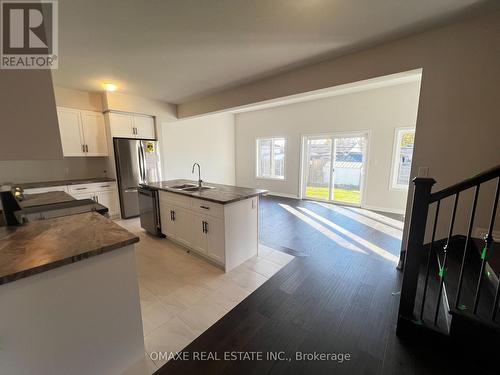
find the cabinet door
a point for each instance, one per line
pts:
(94, 134)
(121, 125)
(183, 225)
(109, 199)
(198, 236)
(145, 127)
(70, 128)
(167, 223)
(215, 239)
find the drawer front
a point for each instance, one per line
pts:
(177, 199)
(91, 188)
(207, 208)
(105, 186)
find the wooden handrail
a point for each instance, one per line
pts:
(466, 184)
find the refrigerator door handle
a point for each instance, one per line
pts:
(144, 177)
(141, 165)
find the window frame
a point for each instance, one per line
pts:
(257, 155)
(393, 185)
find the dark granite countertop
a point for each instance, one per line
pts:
(42, 199)
(31, 185)
(43, 245)
(222, 194)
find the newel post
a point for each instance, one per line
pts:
(414, 250)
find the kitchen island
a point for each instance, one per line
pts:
(69, 299)
(219, 222)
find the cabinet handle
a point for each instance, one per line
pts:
(105, 185)
(86, 148)
(203, 226)
(206, 226)
(205, 207)
(172, 215)
(97, 198)
(83, 148)
(81, 189)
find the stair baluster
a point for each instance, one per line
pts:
(469, 233)
(431, 253)
(488, 239)
(442, 270)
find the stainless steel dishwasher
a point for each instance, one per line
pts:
(149, 210)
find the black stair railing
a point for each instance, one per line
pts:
(423, 198)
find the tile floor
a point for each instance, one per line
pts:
(182, 294)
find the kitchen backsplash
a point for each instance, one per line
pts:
(48, 170)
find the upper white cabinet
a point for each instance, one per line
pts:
(83, 133)
(144, 127)
(124, 125)
(94, 134)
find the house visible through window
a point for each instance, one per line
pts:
(403, 151)
(271, 158)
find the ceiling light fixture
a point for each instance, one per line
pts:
(110, 87)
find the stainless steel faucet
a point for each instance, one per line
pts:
(199, 174)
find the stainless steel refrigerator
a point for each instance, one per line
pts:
(137, 162)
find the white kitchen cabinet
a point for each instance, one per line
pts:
(46, 189)
(123, 125)
(70, 129)
(144, 127)
(82, 132)
(226, 234)
(94, 134)
(109, 199)
(208, 236)
(167, 219)
(199, 238)
(176, 222)
(183, 220)
(105, 193)
(214, 232)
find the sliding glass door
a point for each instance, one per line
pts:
(334, 167)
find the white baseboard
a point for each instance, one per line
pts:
(284, 195)
(384, 209)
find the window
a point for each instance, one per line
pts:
(403, 151)
(271, 158)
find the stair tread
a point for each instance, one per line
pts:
(470, 279)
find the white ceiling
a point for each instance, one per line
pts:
(175, 50)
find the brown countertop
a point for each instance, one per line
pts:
(222, 194)
(43, 245)
(31, 185)
(32, 200)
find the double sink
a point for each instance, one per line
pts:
(190, 187)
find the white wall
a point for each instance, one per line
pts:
(379, 110)
(207, 140)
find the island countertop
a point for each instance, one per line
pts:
(223, 194)
(43, 245)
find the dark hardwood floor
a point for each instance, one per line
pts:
(339, 295)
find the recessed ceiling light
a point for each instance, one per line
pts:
(110, 87)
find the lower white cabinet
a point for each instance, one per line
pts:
(208, 236)
(105, 193)
(47, 189)
(110, 200)
(226, 234)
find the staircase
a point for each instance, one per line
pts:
(450, 288)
